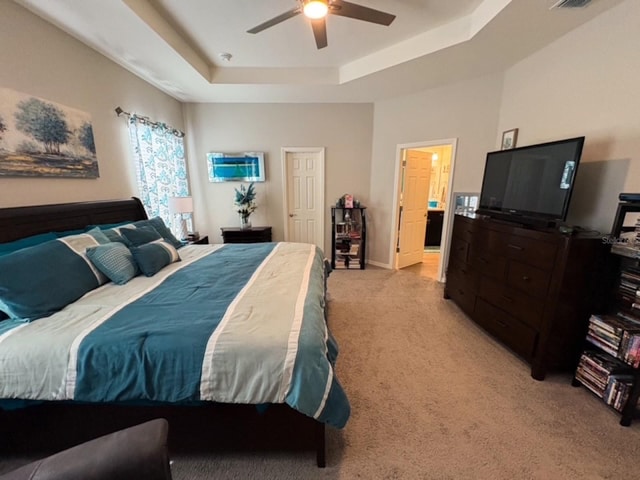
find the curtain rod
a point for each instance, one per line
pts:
(147, 121)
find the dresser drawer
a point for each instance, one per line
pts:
(463, 272)
(463, 228)
(515, 334)
(532, 252)
(461, 289)
(487, 263)
(459, 249)
(525, 307)
(531, 280)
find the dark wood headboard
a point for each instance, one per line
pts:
(20, 222)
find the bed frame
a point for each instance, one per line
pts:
(20, 222)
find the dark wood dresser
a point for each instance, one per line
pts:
(248, 235)
(532, 289)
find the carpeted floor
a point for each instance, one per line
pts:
(434, 397)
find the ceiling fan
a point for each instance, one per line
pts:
(317, 10)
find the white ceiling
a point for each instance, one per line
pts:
(176, 44)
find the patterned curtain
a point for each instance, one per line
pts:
(161, 168)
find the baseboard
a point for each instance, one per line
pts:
(379, 264)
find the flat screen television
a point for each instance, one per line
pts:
(532, 184)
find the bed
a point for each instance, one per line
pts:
(226, 324)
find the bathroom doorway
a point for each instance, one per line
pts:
(432, 232)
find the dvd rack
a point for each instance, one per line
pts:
(611, 369)
(610, 363)
(606, 377)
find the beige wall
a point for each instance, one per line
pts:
(41, 60)
(467, 111)
(585, 83)
(345, 130)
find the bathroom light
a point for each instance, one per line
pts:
(316, 9)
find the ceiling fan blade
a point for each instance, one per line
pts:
(320, 32)
(276, 20)
(351, 10)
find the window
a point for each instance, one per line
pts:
(161, 169)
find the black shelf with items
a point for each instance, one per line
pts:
(610, 363)
(348, 238)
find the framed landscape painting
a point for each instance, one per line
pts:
(39, 138)
(236, 167)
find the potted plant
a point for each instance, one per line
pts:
(245, 203)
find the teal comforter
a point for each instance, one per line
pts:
(233, 324)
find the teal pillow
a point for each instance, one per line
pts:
(162, 229)
(115, 261)
(26, 242)
(140, 235)
(41, 280)
(98, 235)
(153, 257)
(66, 233)
(109, 226)
(115, 235)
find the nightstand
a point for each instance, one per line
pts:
(247, 235)
(201, 241)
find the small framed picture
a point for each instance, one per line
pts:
(509, 138)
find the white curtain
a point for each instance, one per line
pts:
(161, 168)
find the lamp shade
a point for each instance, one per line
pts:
(180, 204)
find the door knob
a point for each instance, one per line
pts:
(292, 214)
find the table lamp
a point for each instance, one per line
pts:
(181, 206)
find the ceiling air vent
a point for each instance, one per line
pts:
(571, 4)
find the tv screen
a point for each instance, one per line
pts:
(534, 181)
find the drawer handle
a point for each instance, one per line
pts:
(482, 260)
(501, 323)
(515, 247)
(460, 292)
(460, 249)
(525, 278)
(463, 271)
(507, 299)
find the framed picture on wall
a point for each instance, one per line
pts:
(236, 167)
(509, 138)
(42, 138)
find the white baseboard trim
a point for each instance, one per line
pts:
(379, 264)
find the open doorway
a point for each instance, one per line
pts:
(424, 178)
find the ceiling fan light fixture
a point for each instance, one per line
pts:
(315, 9)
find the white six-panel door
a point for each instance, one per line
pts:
(303, 170)
(415, 197)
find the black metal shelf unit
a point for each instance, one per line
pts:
(348, 237)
